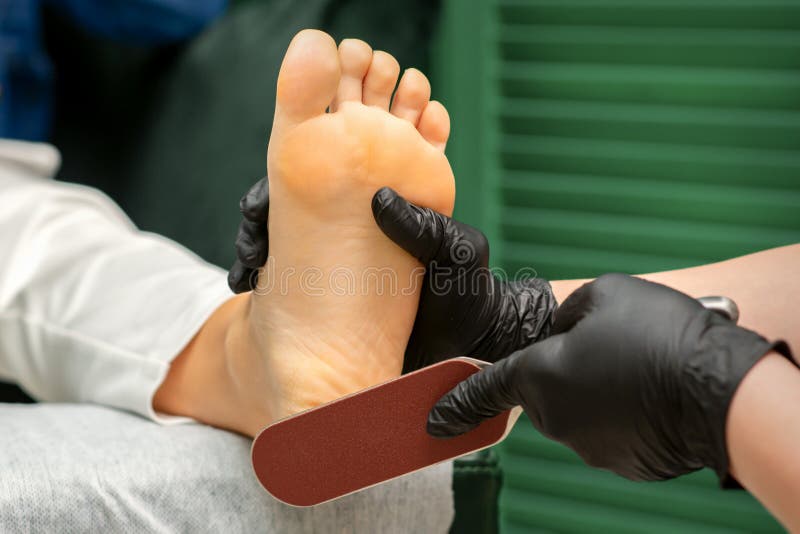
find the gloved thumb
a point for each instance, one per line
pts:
(418, 231)
(483, 395)
(428, 235)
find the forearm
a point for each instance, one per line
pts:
(763, 426)
(763, 431)
(764, 285)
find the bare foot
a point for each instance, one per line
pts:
(336, 303)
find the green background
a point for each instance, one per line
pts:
(633, 136)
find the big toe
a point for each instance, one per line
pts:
(308, 78)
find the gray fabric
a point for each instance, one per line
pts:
(84, 468)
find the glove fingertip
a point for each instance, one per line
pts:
(416, 230)
(252, 256)
(254, 205)
(441, 425)
(257, 213)
(239, 278)
(381, 202)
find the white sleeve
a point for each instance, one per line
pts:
(91, 309)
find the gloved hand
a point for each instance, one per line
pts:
(464, 310)
(636, 378)
(252, 240)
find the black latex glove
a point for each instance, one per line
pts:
(637, 378)
(463, 310)
(252, 241)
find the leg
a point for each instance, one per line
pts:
(91, 310)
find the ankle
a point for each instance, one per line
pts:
(256, 393)
(204, 380)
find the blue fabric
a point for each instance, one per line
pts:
(26, 73)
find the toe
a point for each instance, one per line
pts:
(308, 78)
(411, 96)
(354, 57)
(380, 80)
(434, 124)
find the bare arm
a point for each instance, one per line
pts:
(763, 429)
(765, 285)
(763, 433)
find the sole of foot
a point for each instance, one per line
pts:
(336, 303)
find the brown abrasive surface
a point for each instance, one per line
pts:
(364, 439)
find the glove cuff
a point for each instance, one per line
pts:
(523, 315)
(544, 313)
(724, 356)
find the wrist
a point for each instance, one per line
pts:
(763, 429)
(523, 315)
(724, 357)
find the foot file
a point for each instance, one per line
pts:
(367, 438)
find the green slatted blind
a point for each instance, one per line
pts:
(635, 136)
